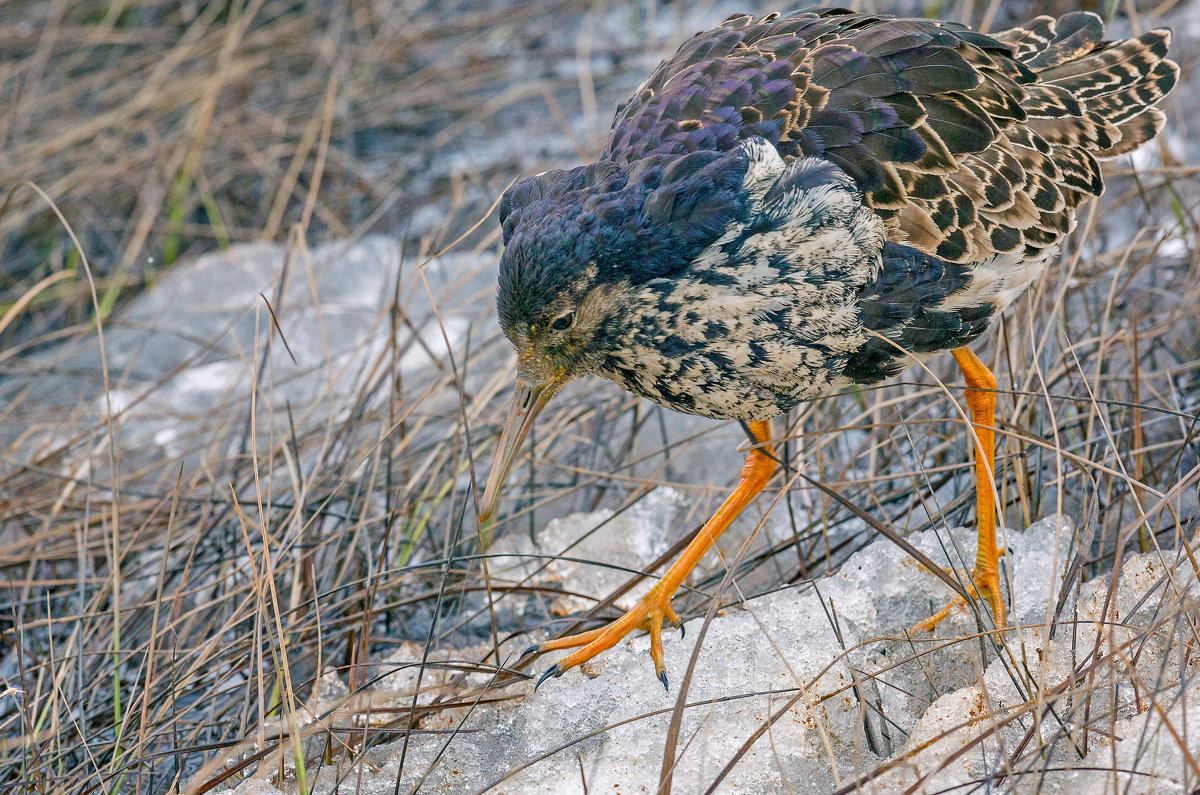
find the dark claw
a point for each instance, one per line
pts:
(662, 677)
(682, 631)
(531, 650)
(551, 671)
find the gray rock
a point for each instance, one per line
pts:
(835, 653)
(610, 716)
(646, 531)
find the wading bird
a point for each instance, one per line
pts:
(794, 204)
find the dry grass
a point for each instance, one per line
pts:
(161, 611)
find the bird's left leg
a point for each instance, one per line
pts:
(655, 607)
(981, 400)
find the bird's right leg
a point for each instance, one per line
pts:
(655, 607)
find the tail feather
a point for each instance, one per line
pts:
(1114, 81)
(1086, 131)
(1080, 171)
(1112, 67)
(1045, 101)
(1075, 35)
(1121, 106)
(1139, 130)
(1093, 99)
(1029, 40)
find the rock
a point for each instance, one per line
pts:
(930, 714)
(1152, 752)
(444, 668)
(751, 662)
(991, 717)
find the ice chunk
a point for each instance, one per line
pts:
(811, 688)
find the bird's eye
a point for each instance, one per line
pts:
(563, 322)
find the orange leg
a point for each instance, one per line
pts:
(650, 611)
(981, 400)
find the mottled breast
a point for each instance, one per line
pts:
(767, 315)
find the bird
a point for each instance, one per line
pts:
(797, 203)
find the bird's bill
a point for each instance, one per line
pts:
(528, 402)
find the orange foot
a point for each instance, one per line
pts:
(655, 607)
(986, 586)
(648, 614)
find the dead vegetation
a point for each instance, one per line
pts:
(163, 611)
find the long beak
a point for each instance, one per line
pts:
(528, 402)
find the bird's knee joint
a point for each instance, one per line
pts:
(760, 465)
(981, 379)
(979, 401)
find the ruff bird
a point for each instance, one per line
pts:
(796, 203)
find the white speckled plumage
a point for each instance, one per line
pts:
(802, 318)
(1000, 280)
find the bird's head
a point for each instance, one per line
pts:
(565, 275)
(584, 247)
(560, 323)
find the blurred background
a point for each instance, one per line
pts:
(233, 475)
(165, 130)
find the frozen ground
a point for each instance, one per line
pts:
(813, 688)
